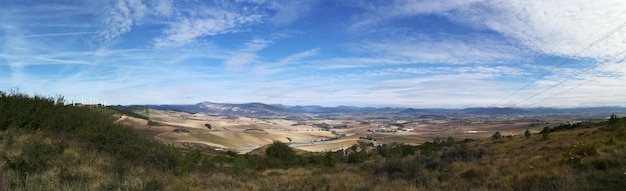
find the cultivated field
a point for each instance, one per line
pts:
(244, 134)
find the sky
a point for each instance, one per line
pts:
(380, 53)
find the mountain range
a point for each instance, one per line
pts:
(261, 110)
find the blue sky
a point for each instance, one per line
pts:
(399, 53)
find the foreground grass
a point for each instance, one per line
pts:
(47, 146)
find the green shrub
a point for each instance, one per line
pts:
(496, 135)
(282, 154)
(545, 133)
(357, 157)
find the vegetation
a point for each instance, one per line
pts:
(496, 135)
(545, 133)
(324, 126)
(45, 145)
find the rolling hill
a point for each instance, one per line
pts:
(261, 110)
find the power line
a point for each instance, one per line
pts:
(616, 56)
(576, 54)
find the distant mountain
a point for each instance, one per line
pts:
(412, 111)
(247, 109)
(495, 111)
(284, 111)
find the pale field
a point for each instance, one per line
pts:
(244, 134)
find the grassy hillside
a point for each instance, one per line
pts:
(45, 145)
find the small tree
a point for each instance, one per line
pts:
(282, 153)
(545, 133)
(496, 135)
(450, 141)
(613, 119)
(527, 134)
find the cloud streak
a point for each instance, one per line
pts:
(247, 54)
(121, 17)
(290, 11)
(204, 21)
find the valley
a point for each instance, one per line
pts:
(243, 134)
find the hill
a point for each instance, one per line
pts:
(261, 110)
(45, 145)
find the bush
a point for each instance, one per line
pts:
(496, 135)
(545, 133)
(323, 161)
(282, 154)
(527, 134)
(94, 127)
(463, 153)
(396, 150)
(579, 151)
(357, 157)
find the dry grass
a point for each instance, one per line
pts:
(578, 159)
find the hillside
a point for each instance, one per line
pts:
(45, 145)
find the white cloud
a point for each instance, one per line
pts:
(490, 71)
(188, 29)
(59, 34)
(552, 27)
(298, 56)
(162, 7)
(247, 54)
(121, 17)
(291, 10)
(454, 90)
(593, 31)
(588, 90)
(560, 27)
(427, 50)
(376, 13)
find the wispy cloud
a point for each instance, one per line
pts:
(298, 56)
(377, 12)
(553, 27)
(194, 23)
(447, 51)
(162, 7)
(439, 70)
(427, 50)
(120, 18)
(562, 28)
(247, 54)
(60, 34)
(290, 11)
(570, 29)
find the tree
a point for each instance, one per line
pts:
(282, 152)
(527, 134)
(613, 119)
(207, 125)
(545, 133)
(496, 135)
(450, 141)
(616, 122)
